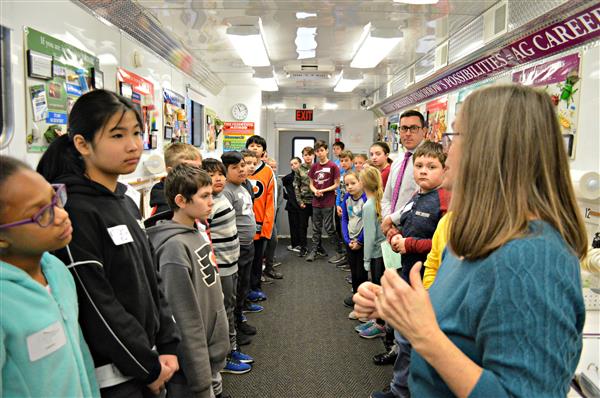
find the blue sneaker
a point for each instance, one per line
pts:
(236, 367)
(256, 295)
(243, 318)
(364, 326)
(251, 307)
(241, 357)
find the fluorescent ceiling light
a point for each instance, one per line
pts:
(469, 49)
(347, 82)
(421, 2)
(330, 106)
(305, 42)
(248, 41)
(373, 46)
(304, 15)
(265, 78)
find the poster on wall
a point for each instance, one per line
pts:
(57, 74)
(175, 119)
(211, 133)
(437, 118)
(235, 135)
(141, 92)
(391, 133)
(560, 79)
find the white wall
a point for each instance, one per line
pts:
(114, 49)
(357, 126)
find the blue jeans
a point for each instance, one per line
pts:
(399, 384)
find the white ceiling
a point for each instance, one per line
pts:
(201, 25)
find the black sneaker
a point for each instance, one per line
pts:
(273, 274)
(385, 358)
(321, 252)
(303, 252)
(348, 302)
(310, 257)
(243, 339)
(245, 328)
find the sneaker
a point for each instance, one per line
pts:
(242, 339)
(246, 328)
(239, 356)
(244, 318)
(342, 265)
(251, 307)
(337, 259)
(348, 279)
(364, 326)
(273, 274)
(256, 295)
(303, 252)
(236, 367)
(311, 256)
(373, 332)
(385, 358)
(345, 268)
(386, 393)
(297, 249)
(352, 315)
(321, 252)
(276, 264)
(290, 248)
(265, 279)
(348, 302)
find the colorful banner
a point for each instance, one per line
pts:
(578, 29)
(235, 135)
(141, 93)
(560, 79)
(436, 119)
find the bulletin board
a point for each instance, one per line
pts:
(437, 116)
(561, 80)
(141, 92)
(176, 127)
(57, 74)
(235, 135)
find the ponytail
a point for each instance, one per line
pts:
(370, 177)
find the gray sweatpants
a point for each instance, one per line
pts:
(322, 217)
(229, 285)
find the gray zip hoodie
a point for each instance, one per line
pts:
(193, 289)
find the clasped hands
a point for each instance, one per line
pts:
(168, 366)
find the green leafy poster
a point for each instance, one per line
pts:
(70, 78)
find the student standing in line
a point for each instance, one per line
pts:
(379, 153)
(43, 352)
(292, 207)
(263, 183)
(345, 158)
(271, 247)
(174, 154)
(338, 148)
(226, 245)
(304, 197)
(240, 199)
(324, 179)
(521, 235)
(353, 231)
(360, 159)
(122, 312)
(192, 284)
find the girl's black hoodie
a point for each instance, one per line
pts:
(123, 314)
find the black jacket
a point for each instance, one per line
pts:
(122, 312)
(290, 194)
(158, 198)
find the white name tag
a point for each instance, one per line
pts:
(326, 169)
(421, 214)
(46, 341)
(120, 235)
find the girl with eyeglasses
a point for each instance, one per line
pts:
(42, 350)
(123, 314)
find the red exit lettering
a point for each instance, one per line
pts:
(304, 115)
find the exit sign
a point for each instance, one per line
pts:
(304, 115)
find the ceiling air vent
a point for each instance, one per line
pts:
(495, 21)
(441, 55)
(410, 76)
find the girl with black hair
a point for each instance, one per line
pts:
(123, 314)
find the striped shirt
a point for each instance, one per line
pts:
(224, 235)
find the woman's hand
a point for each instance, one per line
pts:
(407, 307)
(364, 300)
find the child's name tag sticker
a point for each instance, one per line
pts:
(326, 170)
(46, 341)
(421, 214)
(120, 235)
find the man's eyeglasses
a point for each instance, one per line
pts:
(45, 216)
(447, 140)
(413, 129)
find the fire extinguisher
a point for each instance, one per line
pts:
(338, 133)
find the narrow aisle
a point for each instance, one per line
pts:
(306, 346)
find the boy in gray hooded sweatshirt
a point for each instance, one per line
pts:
(192, 284)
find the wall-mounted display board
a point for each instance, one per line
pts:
(175, 119)
(196, 116)
(391, 136)
(437, 116)
(211, 132)
(560, 79)
(141, 92)
(235, 135)
(57, 74)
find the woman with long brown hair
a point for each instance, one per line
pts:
(505, 314)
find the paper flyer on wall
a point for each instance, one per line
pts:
(235, 135)
(560, 79)
(437, 118)
(39, 103)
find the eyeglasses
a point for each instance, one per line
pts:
(45, 216)
(413, 129)
(447, 140)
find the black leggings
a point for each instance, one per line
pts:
(357, 268)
